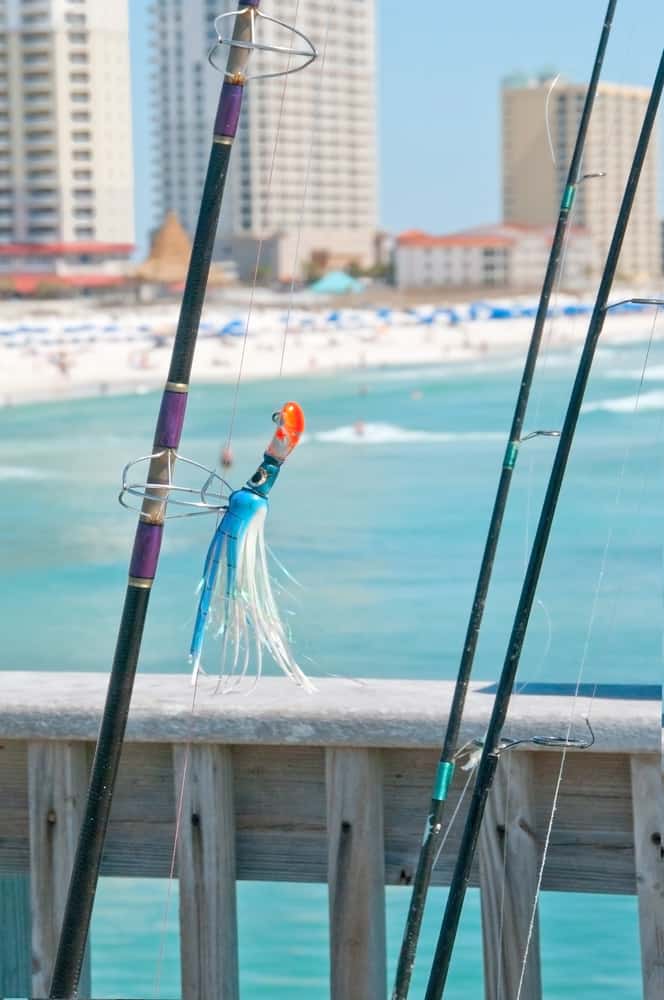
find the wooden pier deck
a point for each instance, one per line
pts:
(331, 787)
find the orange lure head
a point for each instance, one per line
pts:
(290, 427)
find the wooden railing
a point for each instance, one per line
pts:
(326, 787)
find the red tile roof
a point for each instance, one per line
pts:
(498, 235)
(28, 283)
(64, 249)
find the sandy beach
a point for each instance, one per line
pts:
(79, 351)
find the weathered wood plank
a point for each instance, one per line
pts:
(207, 869)
(509, 863)
(356, 874)
(57, 783)
(379, 713)
(281, 816)
(648, 799)
(15, 936)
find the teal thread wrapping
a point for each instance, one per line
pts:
(569, 196)
(443, 781)
(510, 455)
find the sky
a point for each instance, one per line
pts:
(439, 71)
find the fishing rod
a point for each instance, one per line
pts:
(147, 543)
(434, 828)
(492, 742)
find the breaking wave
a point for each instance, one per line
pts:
(655, 373)
(8, 472)
(627, 404)
(376, 433)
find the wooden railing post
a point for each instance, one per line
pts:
(356, 873)
(648, 819)
(207, 870)
(15, 936)
(509, 862)
(57, 783)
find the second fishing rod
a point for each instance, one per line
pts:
(492, 743)
(434, 827)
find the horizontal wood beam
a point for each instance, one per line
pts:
(280, 814)
(371, 713)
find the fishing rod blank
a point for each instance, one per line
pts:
(445, 771)
(491, 748)
(147, 543)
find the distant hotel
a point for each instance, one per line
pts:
(331, 103)
(533, 183)
(514, 254)
(66, 169)
(500, 256)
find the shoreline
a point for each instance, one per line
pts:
(112, 364)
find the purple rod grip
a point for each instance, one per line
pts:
(171, 419)
(145, 554)
(228, 112)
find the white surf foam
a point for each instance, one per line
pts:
(20, 472)
(377, 433)
(627, 404)
(655, 373)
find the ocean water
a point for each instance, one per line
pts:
(381, 516)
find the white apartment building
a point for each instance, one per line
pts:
(499, 256)
(533, 182)
(66, 166)
(303, 171)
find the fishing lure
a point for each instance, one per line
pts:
(235, 593)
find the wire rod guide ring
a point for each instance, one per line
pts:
(206, 502)
(307, 54)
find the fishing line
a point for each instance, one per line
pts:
(583, 663)
(501, 923)
(547, 118)
(261, 241)
(173, 861)
(234, 409)
(307, 175)
(471, 774)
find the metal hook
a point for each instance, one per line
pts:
(556, 742)
(308, 54)
(553, 742)
(534, 434)
(636, 302)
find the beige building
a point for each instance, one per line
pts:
(533, 182)
(66, 167)
(303, 171)
(497, 256)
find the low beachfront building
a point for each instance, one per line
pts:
(495, 256)
(35, 268)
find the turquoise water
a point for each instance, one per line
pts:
(384, 532)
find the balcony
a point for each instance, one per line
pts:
(38, 99)
(37, 83)
(42, 140)
(47, 197)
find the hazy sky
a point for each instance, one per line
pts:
(440, 66)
